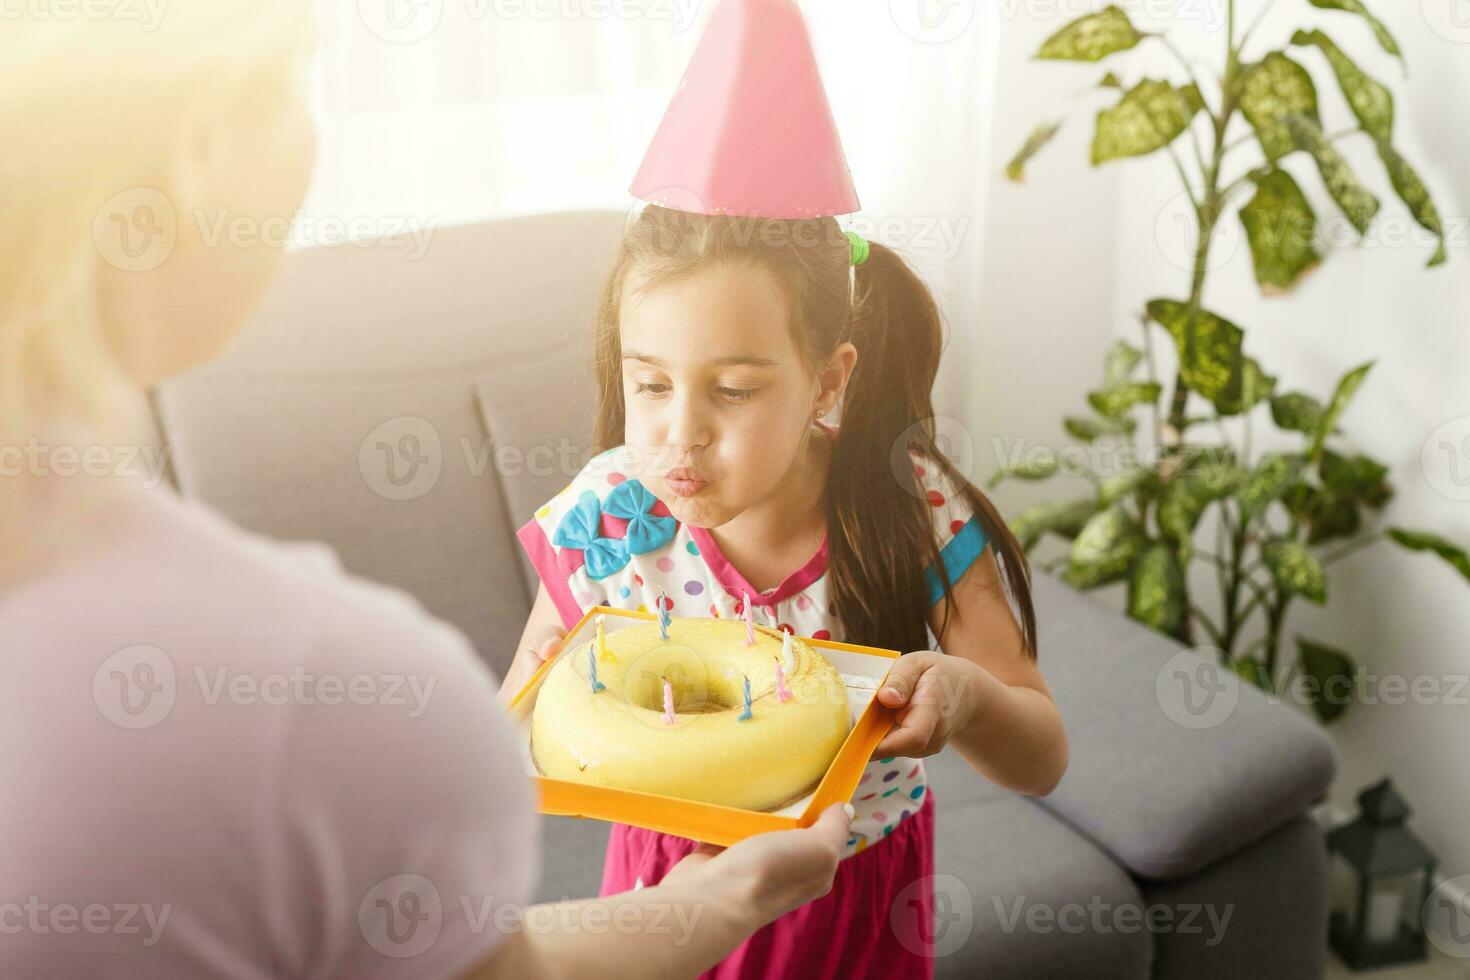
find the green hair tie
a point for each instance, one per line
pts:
(859, 248)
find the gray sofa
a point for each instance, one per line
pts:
(412, 411)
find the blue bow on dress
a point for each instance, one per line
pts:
(647, 531)
(579, 529)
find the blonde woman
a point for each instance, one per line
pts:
(151, 827)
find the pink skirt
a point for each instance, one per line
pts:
(878, 919)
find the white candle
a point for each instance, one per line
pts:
(1385, 909)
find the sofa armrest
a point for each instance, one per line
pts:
(1172, 766)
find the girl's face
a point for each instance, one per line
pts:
(719, 400)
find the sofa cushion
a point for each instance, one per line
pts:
(376, 468)
(539, 418)
(1166, 786)
(1017, 893)
(1265, 911)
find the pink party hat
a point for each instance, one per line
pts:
(749, 131)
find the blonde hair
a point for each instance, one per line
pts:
(98, 100)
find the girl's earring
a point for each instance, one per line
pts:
(821, 412)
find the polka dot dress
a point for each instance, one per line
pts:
(606, 540)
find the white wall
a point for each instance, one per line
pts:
(1047, 285)
(1395, 612)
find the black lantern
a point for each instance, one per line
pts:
(1379, 922)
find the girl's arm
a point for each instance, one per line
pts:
(703, 909)
(986, 696)
(539, 640)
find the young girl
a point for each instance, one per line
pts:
(723, 347)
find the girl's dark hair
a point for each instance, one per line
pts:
(880, 530)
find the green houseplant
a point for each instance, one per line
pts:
(1282, 518)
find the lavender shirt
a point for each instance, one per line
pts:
(222, 757)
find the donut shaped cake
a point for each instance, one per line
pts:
(620, 736)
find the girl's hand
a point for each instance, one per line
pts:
(527, 661)
(936, 696)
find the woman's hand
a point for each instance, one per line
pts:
(527, 661)
(777, 871)
(936, 696)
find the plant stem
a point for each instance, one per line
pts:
(1256, 22)
(1348, 549)
(1275, 616)
(1205, 621)
(1207, 214)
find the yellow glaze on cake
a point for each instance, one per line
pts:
(618, 737)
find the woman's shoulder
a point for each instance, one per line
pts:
(173, 566)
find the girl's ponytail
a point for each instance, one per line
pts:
(880, 531)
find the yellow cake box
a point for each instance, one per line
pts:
(863, 670)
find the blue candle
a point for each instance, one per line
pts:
(664, 619)
(745, 715)
(597, 685)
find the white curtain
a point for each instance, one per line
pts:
(443, 112)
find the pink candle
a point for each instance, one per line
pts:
(668, 702)
(781, 693)
(749, 621)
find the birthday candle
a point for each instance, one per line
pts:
(781, 693)
(597, 685)
(745, 715)
(668, 702)
(602, 651)
(785, 646)
(663, 616)
(749, 621)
